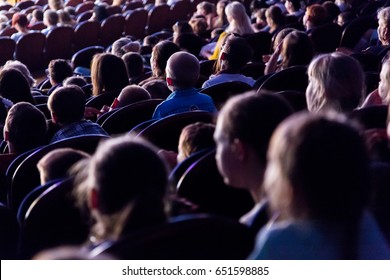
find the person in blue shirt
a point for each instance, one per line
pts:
(182, 72)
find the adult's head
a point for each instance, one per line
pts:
(108, 73)
(134, 64)
(182, 71)
(158, 89)
(160, 54)
(292, 5)
(19, 20)
(117, 46)
(315, 16)
(50, 18)
(336, 82)
(15, 64)
(235, 54)
(25, 128)
(56, 5)
(244, 127)
(239, 21)
(14, 86)
(317, 169)
(67, 105)
(128, 182)
(195, 137)
(56, 164)
(275, 17)
(384, 26)
(132, 94)
(297, 49)
(59, 70)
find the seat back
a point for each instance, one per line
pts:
(158, 18)
(135, 23)
(38, 26)
(124, 119)
(85, 6)
(59, 43)
(111, 29)
(187, 237)
(103, 99)
(7, 49)
(83, 57)
(179, 11)
(165, 132)
(371, 117)
(52, 220)
(73, 3)
(86, 34)
(29, 50)
(133, 5)
(84, 16)
(260, 43)
(355, 30)
(297, 99)
(26, 176)
(202, 185)
(220, 93)
(24, 4)
(291, 78)
(326, 38)
(9, 234)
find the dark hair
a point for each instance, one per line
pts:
(134, 64)
(14, 86)
(297, 49)
(195, 137)
(59, 70)
(19, 18)
(238, 52)
(26, 127)
(253, 117)
(100, 12)
(68, 103)
(161, 53)
(108, 73)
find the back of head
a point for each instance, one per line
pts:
(336, 82)
(160, 55)
(68, 104)
(59, 69)
(75, 81)
(235, 54)
(56, 164)
(158, 89)
(118, 44)
(51, 17)
(318, 169)
(252, 118)
(297, 49)
(189, 42)
(15, 64)
(127, 172)
(275, 13)
(108, 73)
(132, 94)
(20, 19)
(14, 86)
(25, 128)
(183, 69)
(332, 10)
(316, 14)
(134, 64)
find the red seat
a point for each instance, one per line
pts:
(132, 5)
(86, 34)
(37, 26)
(8, 31)
(29, 50)
(73, 3)
(113, 10)
(59, 43)
(83, 57)
(135, 23)
(84, 16)
(7, 49)
(24, 4)
(85, 6)
(111, 29)
(158, 19)
(179, 11)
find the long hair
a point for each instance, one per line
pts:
(239, 21)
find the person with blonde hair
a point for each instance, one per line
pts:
(239, 23)
(336, 82)
(380, 96)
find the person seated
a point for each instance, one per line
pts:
(315, 16)
(50, 19)
(194, 138)
(317, 181)
(235, 54)
(123, 45)
(275, 20)
(182, 72)
(20, 23)
(75, 81)
(129, 95)
(126, 186)
(57, 163)
(243, 131)
(336, 82)
(25, 128)
(14, 86)
(158, 89)
(67, 106)
(99, 13)
(134, 66)
(380, 96)
(15, 64)
(59, 70)
(36, 16)
(65, 19)
(208, 11)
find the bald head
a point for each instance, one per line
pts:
(182, 70)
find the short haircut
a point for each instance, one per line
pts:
(14, 86)
(132, 94)
(75, 81)
(196, 137)
(51, 17)
(26, 126)
(161, 53)
(59, 70)
(238, 52)
(56, 164)
(183, 68)
(16, 64)
(252, 118)
(68, 103)
(158, 89)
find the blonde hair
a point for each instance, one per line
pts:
(336, 81)
(239, 21)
